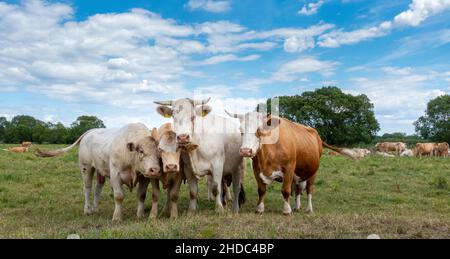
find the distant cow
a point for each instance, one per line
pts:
(127, 155)
(384, 154)
(408, 153)
(360, 152)
(332, 153)
(26, 143)
(425, 149)
(282, 150)
(391, 147)
(18, 149)
(442, 149)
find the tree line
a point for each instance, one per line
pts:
(340, 118)
(26, 128)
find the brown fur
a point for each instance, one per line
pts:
(18, 149)
(442, 149)
(425, 149)
(26, 143)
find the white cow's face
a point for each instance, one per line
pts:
(254, 126)
(184, 113)
(146, 156)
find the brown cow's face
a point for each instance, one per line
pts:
(147, 156)
(184, 113)
(170, 154)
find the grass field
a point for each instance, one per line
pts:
(392, 197)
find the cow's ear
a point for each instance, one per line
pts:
(271, 123)
(165, 111)
(155, 134)
(203, 110)
(131, 146)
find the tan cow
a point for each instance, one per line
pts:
(391, 147)
(18, 149)
(360, 152)
(425, 149)
(442, 149)
(282, 150)
(26, 143)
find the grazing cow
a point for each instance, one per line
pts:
(391, 147)
(127, 155)
(211, 145)
(442, 149)
(408, 153)
(425, 149)
(332, 153)
(282, 150)
(26, 143)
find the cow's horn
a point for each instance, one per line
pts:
(200, 102)
(166, 103)
(233, 115)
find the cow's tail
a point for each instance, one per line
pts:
(242, 197)
(342, 151)
(61, 151)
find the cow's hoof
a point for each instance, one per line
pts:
(152, 216)
(287, 213)
(94, 210)
(116, 219)
(296, 209)
(140, 215)
(88, 212)
(309, 211)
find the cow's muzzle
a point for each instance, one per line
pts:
(183, 139)
(153, 173)
(246, 152)
(171, 168)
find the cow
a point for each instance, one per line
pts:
(408, 153)
(360, 152)
(441, 149)
(173, 170)
(127, 156)
(332, 153)
(384, 154)
(282, 150)
(211, 146)
(391, 147)
(17, 149)
(26, 143)
(425, 149)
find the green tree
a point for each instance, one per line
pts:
(3, 123)
(340, 118)
(435, 124)
(83, 124)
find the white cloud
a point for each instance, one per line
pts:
(418, 12)
(292, 70)
(214, 6)
(398, 71)
(227, 58)
(311, 8)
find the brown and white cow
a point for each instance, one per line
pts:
(425, 149)
(281, 149)
(18, 149)
(391, 147)
(441, 149)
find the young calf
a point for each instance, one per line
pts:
(127, 155)
(285, 151)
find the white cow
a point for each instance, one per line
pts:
(127, 155)
(407, 153)
(211, 145)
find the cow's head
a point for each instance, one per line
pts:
(184, 113)
(146, 154)
(170, 153)
(254, 127)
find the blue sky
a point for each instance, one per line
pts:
(112, 59)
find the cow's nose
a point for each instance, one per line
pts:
(153, 172)
(171, 168)
(183, 138)
(246, 152)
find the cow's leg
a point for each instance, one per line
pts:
(98, 189)
(299, 188)
(167, 204)
(87, 172)
(174, 194)
(209, 184)
(217, 174)
(286, 190)
(193, 189)
(236, 190)
(141, 194)
(155, 198)
(261, 186)
(116, 184)
(309, 191)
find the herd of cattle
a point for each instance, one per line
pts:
(391, 149)
(198, 144)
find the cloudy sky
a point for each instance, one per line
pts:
(112, 59)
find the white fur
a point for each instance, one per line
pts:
(309, 207)
(260, 208)
(287, 208)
